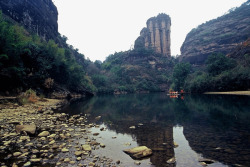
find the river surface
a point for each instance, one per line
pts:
(215, 127)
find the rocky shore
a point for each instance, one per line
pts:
(34, 135)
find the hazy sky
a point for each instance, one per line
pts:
(99, 28)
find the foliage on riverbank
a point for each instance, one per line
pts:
(221, 73)
(136, 70)
(27, 61)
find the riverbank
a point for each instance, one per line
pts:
(231, 93)
(33, 134)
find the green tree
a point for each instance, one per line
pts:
(218, 63)
(180, 73)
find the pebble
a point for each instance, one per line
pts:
(44, 134)
(171, 161)
(137, 163)
(78, 153)
(65, 150)
(102, 145)
(36, 160)
(27, 164)
(86, 147)
(16, 154)
(55, 135)
(66, 160)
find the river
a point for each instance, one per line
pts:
(214, 127)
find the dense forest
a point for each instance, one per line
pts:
(27, 61)
(124, 72)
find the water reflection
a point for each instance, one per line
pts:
(215, 126)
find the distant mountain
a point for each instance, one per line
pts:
(220, 35)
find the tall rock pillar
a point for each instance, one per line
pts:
(156, 35)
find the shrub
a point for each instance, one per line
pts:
(27, 97)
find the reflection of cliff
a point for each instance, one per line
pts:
(209, 122)
(158, 138)
(229, 146)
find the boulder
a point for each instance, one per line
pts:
(26, 128)
(138, 152)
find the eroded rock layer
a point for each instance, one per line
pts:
(156, 35)
(220, 35)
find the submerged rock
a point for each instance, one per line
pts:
(102, 145)
(132, 127)
(95, 134)
(97, 118)
(137, 163)
(171, 161)
(138, 152)
(207, 161)
(175, 145)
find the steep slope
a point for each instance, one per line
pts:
(220, 35)
(34, 55)
(38, 16)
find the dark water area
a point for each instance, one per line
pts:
(215, 127)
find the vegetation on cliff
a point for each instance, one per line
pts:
(26, 62)
(136, 70)
(221, 73)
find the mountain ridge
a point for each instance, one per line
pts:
(219, 35)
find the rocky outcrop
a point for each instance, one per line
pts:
(39, 16)
(241, 50)
(220, 35)
(156, 35)
(139, 152)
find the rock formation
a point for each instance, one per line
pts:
(39, 16)
(220, 35)
(156, 35)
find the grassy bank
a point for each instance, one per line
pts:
(231, 93)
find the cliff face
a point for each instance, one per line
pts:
(220, 35)
(156, 35)
(39, 16)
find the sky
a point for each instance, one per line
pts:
(99, 28)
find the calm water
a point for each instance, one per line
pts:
(216, 127)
